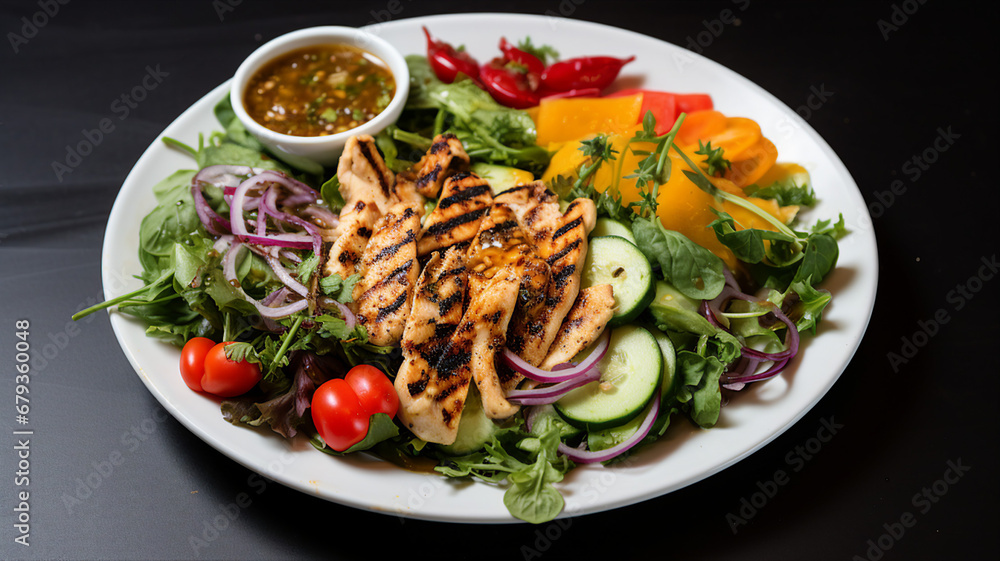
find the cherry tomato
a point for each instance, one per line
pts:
(193, 361)
(339, 415)
(226, 378)
(374, 390)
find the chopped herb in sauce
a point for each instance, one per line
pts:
(319, 90)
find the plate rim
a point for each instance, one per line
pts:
(120, 322)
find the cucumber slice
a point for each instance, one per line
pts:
(501, 178)
(608, 227)
(616, 261)
(475, 429)
(630, 375)
(609, 438)
(668, 383)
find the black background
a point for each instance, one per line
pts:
(900, 426)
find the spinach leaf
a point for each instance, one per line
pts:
(330, 193)
(700, 390)
(694, 270)
(748, 244)
(818, 259)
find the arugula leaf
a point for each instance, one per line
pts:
(836, 230)
(692, 269)
(784, 192)
(808, 311)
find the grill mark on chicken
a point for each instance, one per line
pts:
(391, 250)
(564, 251)
(465, 198)
(567, 228)
(389, 274)
(443, 227)
(465, 195)
(445, 156)
(368, 150)
(429, 177)
(584, 323)
(431, 400)
(561, 239)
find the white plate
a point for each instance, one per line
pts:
(686, 455)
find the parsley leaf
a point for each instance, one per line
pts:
(339, 288)
(713, 158)
(545, 53)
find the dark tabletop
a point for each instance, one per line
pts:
(910, 472)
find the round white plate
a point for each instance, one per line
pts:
(686, 455)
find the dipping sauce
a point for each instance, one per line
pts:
(319, 90)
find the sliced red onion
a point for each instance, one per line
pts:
(539, 375)
(214, 224)
(239, 226)
(222, 244)
(791, 341)
(229, 270)
(349, 318)
(551, 394)
(225, 175)
(269, 205)
(286, 277)
(775, 369)
(587, 457)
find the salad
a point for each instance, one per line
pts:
(692, 279)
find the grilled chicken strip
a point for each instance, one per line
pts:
(354, 231)
(561, 239)
(473, 348)
(499, 242)
(584, 323)
(445, 155)
(363, 174)
(430, 403)
(464, 200)
(389, 272)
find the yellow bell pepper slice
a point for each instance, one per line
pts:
(566, 120)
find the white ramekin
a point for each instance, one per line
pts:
(324, 150)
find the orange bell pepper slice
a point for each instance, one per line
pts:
(754, 163)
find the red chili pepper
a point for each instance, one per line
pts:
(585, 72)
(533, 64)
(510, 88)
(447, 61)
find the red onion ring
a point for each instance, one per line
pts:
(229, 270)
(551, 394)
(539, 375)
(587, 457)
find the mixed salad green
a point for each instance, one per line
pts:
(708, 334)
